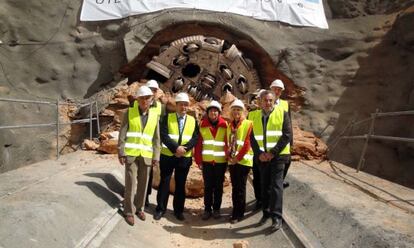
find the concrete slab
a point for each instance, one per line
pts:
(57, 203)
(73, 202)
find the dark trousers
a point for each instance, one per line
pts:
(149, 188)
(213, 176)
(238, 176)
(285, 170)
(271, 177)
(256, 179)
(180, 167)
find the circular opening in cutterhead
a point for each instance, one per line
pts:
(191, 70)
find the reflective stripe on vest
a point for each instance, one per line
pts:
(273, 129)
(213, 148)
(173, 132)
(139, 139)
(241, 136)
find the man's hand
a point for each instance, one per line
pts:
(154, 163)
(269, 156)
(180, 151)
(122, 160)
(263, 157)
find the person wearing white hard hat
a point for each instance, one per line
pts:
(210, 156)
(278, 87)
(159, 108)
(270, 143)
(179, 133)
(138, 151)
(239, 156)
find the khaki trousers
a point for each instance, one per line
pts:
(136, 181)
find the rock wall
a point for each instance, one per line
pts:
(363, 62)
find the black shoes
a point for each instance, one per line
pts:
(263, 220)
(276, 224)
(258, 205)
(158, 215)
(285, 184)
(216, 214)
(206, 215)
(179, 216)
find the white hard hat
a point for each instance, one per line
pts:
(278, 83)
(144, 91)
(182, 97)
(214, 104)
(152, 84)
(237, 103)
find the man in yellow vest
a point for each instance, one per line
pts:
(270, 142)
(159, 108)
(138, 149)
(210, 156)
(179, 133)
(278, 87)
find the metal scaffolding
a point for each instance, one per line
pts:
(92, 105)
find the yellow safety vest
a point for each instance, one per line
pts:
(273, 129)
(241, 135)
(157, 109)
(139, 139)
(213, 148)
(284, 105)
(173, 132)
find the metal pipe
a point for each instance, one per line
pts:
(25, 101)
(97, 118)
(90, 121)
(29, 126)
(77, 121)
(381, 137)
(410, 112)
(364, 148)
(57, 128)
(47, 124)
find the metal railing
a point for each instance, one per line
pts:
(370, 134)
(92, 105)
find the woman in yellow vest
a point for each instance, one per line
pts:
(240, 158)
(210, 156)
(138, 150)
(270, 142)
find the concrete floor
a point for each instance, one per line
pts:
(73, 202)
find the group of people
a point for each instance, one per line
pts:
(261, 141)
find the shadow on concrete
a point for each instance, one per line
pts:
(101, 192)
(111, 182)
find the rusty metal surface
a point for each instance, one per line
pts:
(205, 67)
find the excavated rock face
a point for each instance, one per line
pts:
(355, 8)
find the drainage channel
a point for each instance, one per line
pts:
(294, 231)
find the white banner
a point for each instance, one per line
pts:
(295, 12)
